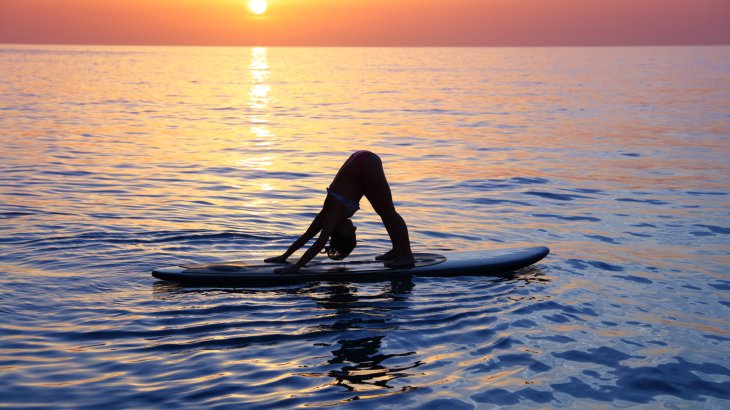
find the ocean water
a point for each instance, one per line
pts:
(118, 160)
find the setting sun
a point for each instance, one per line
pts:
(257, 6)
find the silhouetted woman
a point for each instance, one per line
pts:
(362, 174)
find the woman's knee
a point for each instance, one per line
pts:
(388, 213)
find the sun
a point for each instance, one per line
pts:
(257, 6)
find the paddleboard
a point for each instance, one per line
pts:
(486, 262)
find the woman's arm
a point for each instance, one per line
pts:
(329, 223)
(314, 227)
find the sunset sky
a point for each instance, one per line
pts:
(367, 22)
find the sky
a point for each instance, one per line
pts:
(367, 22)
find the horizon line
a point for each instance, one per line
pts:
(369, 45)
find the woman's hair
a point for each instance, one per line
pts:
(340, 245)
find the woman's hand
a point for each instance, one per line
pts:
(276, 259)
(287, 269)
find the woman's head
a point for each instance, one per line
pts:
(342, 240)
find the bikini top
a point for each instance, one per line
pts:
(349, 205)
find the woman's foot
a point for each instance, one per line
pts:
(401, 262)
(391, 254)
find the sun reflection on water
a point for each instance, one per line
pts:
(259, 92)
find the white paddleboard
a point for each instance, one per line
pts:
(487, 262)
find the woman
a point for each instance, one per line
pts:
(362, 174)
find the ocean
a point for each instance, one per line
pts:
(118, 160)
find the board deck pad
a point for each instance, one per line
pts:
(317, 266)
(239, 273)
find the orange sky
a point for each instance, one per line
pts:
(367, 22)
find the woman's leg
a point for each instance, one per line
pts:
(377, 191)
